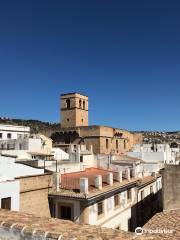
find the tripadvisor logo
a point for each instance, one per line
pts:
(139, 231)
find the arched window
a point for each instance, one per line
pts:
(84, 104)
(124, 144)
(80, 103)
(68, 103)
(107, 143)
(117, 144)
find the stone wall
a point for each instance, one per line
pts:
(119, 141)
(34, 194)
(171, 187)
(76, 114)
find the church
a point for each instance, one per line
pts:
(75, 129)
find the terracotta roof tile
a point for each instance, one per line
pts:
(168, 221)
(30, 226)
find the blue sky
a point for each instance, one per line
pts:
(125, 55)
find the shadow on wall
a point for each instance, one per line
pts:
(145, 209)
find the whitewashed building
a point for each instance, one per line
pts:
(13, 132)
(9, 185)
(102, 197)
(153, 153)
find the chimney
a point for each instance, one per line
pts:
(56, 181)
(84, 185)
(110, 179)
(127, 173)
(119, 176)
(98, 181)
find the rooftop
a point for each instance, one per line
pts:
(70, 183)
(71, 180)
(15, 225)
(168, 220)
(122, 158)
(73, 93)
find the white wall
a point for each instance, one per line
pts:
(89, 160)
(9, 169)
(161, 152)
(14, 130)
(113, 217)
(59, 154)
(157, 185)
(149, 156)
(10, 189)
(35, 145)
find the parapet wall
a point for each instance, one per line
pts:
(171, 187)
(34, 194)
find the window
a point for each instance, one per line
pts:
(6, 203)
(116, 144)
(80, 103)
(81, 159)
(65, 212)
(142, 195)
(67, 119)
(84, 105)
(100, 208)
(129, 194)
(124, 144)
(107, 143)
(151, 189)
(9, 135)
(116, 200)
(1, 135)
(82, 120)
(68, 103)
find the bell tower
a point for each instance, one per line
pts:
(74, 110)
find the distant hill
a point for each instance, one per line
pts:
(172, 138)
(36, 126)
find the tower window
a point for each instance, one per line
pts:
(82, 120)
(107, 143)
(124, 144)
(67, 119)
(84, 104)
(68, 103)
(116, 144)
(80, 103)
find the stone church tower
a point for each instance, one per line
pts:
(74, 110)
